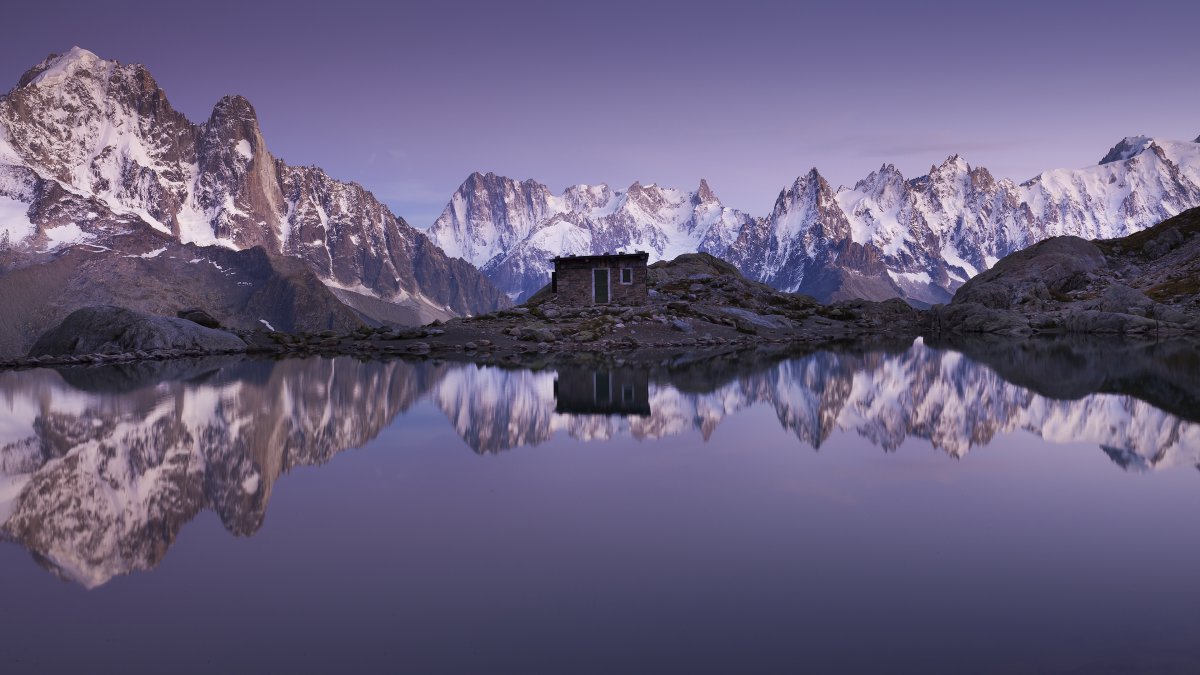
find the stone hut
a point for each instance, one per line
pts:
(612, 278)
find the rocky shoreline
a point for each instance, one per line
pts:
(513, 342)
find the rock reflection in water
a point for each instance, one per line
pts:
(101, 468)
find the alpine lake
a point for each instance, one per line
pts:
(976, 507)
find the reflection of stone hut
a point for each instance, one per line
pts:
(619, 391)
(618, 279)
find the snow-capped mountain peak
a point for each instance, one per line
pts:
(104, 135)
(954, 164)
(59, 67)
(1126, 148)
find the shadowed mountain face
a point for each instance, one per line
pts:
(100, 469)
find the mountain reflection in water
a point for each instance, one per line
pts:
(101, 468)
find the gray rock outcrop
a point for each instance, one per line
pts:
(116, 330)
(1144, 284)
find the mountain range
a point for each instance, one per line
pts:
(94, 159)
(887, 236)
(108, 195)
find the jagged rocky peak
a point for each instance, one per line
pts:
(495, 192)
(479, 181)
(1127, 148)
(704, 194)
(82, 119)
(886, 185)
(503, 186)
(809, 188)
(981, 177)
(236, 114)
(650, 197)
(813, 176)
(489, 214)
(798, 186)
(238, 185)
(954, 165)
(232, 141)
(586, 197)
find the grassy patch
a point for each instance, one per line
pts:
(1189, 285)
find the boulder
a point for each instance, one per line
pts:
(115, 330)
(691, 267)
(1125, 300)
(1092, 321)
(1035, 274)
(535, 334)
(972, 317)
(754, 318)
(1170, 314)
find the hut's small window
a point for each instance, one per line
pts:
(627, 275)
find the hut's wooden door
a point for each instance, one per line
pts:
(600, 285)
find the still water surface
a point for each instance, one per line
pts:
(904, 511)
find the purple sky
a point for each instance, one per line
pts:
(409, 98)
